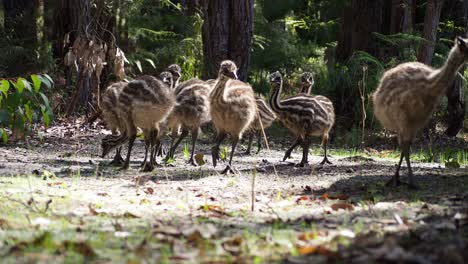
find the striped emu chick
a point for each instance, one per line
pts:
(167, 78)
(176, 72)
(192, 109)
(307, 81)
(304, 115)
(266, 116)
(408, 94)
(233, 109)
(112, 119)
(143, 103)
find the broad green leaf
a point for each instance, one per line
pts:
(36, 82)
(45, 99)
(19, 85)
(4, 87)
(151, 62)
(27, 84)
(46, 117)
(138, 64)
(49, 79)
(46, 82)
(28, 111)
(4, 135)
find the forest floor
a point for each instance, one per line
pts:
(60, 202)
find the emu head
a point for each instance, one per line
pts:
(175, 70)
(229, 69)
(276, 78)
(167, 78)
(462, 45)
(307, 80)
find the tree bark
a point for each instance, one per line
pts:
(455, 95)
(360, 19)
(20, 21)
(401, 16)
(431, 21)
(227, 34)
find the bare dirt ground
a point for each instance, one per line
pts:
(60, 202)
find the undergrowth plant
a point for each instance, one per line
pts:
(22, 104)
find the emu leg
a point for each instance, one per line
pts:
(118, 160)
(305, 153)
(228, 168)
(215, 149)
(131, 141)
(325, 158)
(149, 166)
(170, 154)
(259, 141)
(296, 143)
(194, 142)
(395, 181)
(249, 147)
(411, 183)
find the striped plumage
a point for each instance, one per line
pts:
(233, 108)
(111, 118)
(307, 81)
(266, 116)
(408, 94)
(143, 103)
(304, 115)
(192, 109)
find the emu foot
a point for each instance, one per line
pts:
(125, 167)
(215, 155)
(301, 164)
(148, 167)
(325, 160)
(394, 182)
(228, 170)
(117, 161)
(192, 162)
(287, 155)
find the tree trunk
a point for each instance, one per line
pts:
(401, 16)
(431, 21)
(20, 21)
(227, 34)
(360, 19)
(455, 95)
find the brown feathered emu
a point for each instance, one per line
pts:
(143, 103)
(191, 110)
(303, 115)
(407, 96)
(233, 109)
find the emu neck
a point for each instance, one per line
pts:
(306, 88)
(443, 77)
(274, 101)
(220, 86)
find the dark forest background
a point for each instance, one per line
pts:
(84, 45)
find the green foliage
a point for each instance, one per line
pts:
(162, 36)
(24, 103)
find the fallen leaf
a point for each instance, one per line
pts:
(307, 189)
(144, 201)
(324, 196)
(199, 158)
(315, 249)
(50, 184)
(103, 194)
(308, 236)
(340, 196)
(80, 247)
(149, 190)
(4, 224)
(130, 215)
(233, 245)
(302, 198)
(344, 206)
(213, 208)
